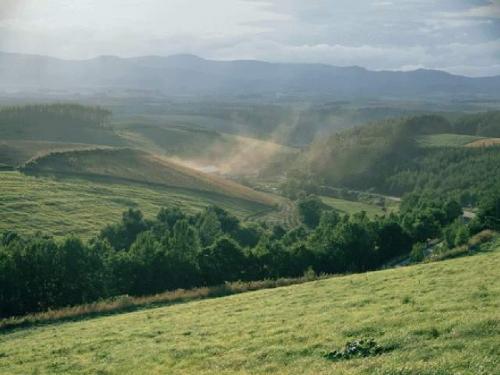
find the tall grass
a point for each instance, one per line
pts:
(126, 303)
(472, 245)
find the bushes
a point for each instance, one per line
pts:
(418, 252)
(489, 214)
(310, 209)
(357, 349)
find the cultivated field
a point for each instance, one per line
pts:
(438, 318)
(82, 207)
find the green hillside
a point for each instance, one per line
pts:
(84, 206)
(401, 156)
(16, 153)
(438, 318)
(138, 166)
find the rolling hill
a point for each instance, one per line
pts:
(31, 131)
(16, 153)
(187, 75)
(207, 150)
(81, 206)
(437, 318)
(140, 167)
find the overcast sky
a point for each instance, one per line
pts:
(460, 36)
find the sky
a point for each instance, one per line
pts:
(458, 36)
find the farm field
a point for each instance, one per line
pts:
(351, 207)
(82, 207)
(485, 142)
(447, 140)
(437, 318)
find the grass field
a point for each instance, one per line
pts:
(446, 140)
(351, 207)
(139, 166)
(83, 206)
(16, 153)
(433, 319)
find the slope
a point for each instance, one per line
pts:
(82, 207)
(140, 167)
(209, 150)
(17, 152)
(387, 157)
(438, 318)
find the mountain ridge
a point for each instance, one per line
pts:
(190, 75)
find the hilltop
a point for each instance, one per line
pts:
(137, 166)
(438, 318)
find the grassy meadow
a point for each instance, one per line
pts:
(351, 207)
(437, 318)
(138, 166)
(83, 206)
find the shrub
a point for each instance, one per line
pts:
(418, 252)
(357, 348)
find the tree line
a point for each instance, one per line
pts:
(137, 256)
(34, 113)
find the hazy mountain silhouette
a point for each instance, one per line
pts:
(191, 75)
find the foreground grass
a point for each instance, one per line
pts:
(83, 207)
(439, 318)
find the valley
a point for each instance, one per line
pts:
(188, 215)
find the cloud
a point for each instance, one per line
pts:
(491, 10)
(459, 35)
(7, 7)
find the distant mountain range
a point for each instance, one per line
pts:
(188, 75)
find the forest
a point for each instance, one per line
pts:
(385, 157)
